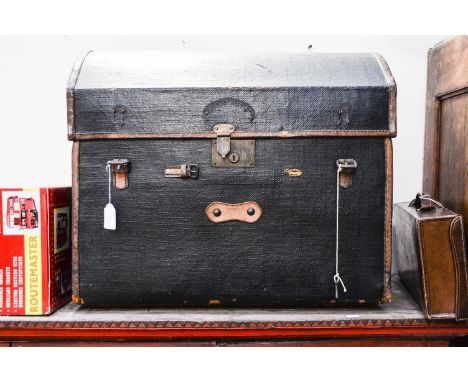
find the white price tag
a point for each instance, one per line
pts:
(110, 217)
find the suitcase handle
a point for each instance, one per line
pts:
(424, 202)
(247, 212)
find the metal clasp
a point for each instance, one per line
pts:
(119, 169)
(184, 171)
(223, 138)
(348, 168)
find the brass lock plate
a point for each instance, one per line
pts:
(241, 154)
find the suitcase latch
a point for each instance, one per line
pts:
(119, 169)
(223, 138)
(184, 171)
(348, 168)
(241, 151)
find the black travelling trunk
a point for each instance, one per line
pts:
(225, 179)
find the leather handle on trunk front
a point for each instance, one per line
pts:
(247, 212)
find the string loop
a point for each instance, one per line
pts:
(108, 169)
(336, 278)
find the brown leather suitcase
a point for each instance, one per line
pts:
(429, 246)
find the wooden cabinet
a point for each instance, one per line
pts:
(446, 144)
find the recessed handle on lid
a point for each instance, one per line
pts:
(247, 212)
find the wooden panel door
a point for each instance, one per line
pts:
(453, 166)
(446, 145)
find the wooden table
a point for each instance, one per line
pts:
(400, 323)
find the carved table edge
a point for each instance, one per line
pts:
(179, 330)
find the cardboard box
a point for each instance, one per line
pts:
(35, 250)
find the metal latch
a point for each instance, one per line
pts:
(242, 154)
(231, 153)
(184, 171)
(348, 168)
(223, 138)
(119, 169)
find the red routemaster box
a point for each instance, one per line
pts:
(35, 253)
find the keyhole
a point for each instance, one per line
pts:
(234, 157)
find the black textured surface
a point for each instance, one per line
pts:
(164, 92)
(262, 110)
(169, 70)
(166, 252)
